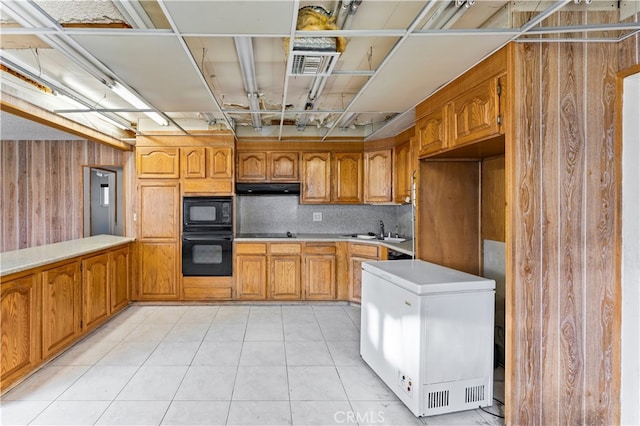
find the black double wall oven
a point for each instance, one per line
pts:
(207, 236)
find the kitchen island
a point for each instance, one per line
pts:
(52, 295)
(20, 260)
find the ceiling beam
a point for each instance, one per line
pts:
(16, 106)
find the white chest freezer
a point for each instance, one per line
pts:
(427, 331)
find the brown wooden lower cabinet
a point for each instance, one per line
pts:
(60, 307)
(359, 253)
(158, 274)
(251, 278)
(119, 260)
(20, 331)
(207, 288)
(46, 309)
(95, 290)
(319, 271)
(284, 277)
(301, 271)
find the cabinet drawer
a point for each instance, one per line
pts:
(205, 288)
(207, 186)
(251, 248)
(285, 248)
(365, 250)
(319, 248)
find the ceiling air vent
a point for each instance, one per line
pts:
(312, 56)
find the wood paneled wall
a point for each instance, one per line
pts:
(563, 356)
(42, 189)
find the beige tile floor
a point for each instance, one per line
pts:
(219, 365)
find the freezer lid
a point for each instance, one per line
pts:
(420, 277)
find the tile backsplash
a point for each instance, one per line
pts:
(282, 213)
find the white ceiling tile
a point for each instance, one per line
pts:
(420, 66)
(232, 17)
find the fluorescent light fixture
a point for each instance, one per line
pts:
(79, 105)
(110, 120)
(134, 100)
(244, 48)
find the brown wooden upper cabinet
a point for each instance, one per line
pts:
(194, 162)
(377, 169)
(402, 172)
(252, 167)
(283, 167)
(432, 131)
(347, 178)
(268, 167)
(158, 162)
(476, 113)
(316, 178)
(206, 170)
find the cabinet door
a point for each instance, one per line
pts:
(284, 277)
(60, 307)
(402, 171)
(316, 177)
(221, 163)
(119, 260)
(347, 177)
(355, 277)
(152, 162)
(377, 166)
(283, 167)
(252, 166)
(475, 114)
(194, 162)
(95, 290)
(251, 277)
(20, 332)
(320, 277)
(359, 253)
(432, 131)
(159, 210)
(158, 271)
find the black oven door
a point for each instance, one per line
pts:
(206, 255)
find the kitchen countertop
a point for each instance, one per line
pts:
(29, 258)
(405, 247)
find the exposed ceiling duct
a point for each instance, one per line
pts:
(317, 56)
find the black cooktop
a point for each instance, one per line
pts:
(266, 235)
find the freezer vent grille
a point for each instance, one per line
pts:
(474, 394)
(438, 399)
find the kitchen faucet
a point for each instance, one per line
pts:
(381, 230)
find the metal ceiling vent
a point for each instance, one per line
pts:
(313, 56)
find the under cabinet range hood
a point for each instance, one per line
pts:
(267, 188)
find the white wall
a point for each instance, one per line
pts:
(630, 392)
